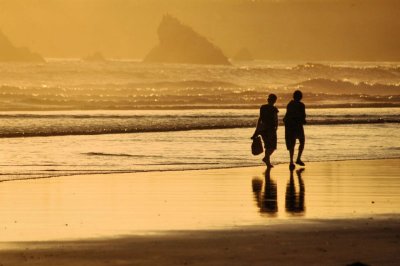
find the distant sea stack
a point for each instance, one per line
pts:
(179, 43)
(243, 55)
(10, 53)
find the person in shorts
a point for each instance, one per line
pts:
(267, 126)
(294, 120)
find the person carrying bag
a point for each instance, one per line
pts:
(267, 126)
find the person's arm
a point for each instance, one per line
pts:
(256, 132)
(304, 114)
(276, 119)
(287, 117)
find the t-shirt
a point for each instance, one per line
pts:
(295, 114)
(269, 117)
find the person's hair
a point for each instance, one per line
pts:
(297, 95)
(272, 98)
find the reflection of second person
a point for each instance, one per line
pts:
(295, 198)
(267, 126)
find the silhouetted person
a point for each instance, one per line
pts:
(267, 199)
(294, 119)
(295, 199)
(267, 126)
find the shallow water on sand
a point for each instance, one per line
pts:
(37, 157)
(145, 203)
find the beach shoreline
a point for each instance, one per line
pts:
(330, 213)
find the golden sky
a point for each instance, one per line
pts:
(270, 29)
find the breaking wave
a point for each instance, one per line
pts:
(347, 87)
(120, 122)
(72, 85)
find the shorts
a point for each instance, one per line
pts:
(269, 138)
(292, 133)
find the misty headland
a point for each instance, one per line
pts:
(285, 30)
(10, 53)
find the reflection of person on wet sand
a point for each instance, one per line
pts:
(295, 199)
(267, 200)
(267, 126)
(294, 119)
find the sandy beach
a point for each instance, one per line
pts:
(330, 213)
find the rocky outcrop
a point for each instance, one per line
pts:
(179, 43)
(10, 53)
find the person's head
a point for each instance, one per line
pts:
(272, 99)
(297, 95)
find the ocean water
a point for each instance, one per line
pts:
(127, 85)
(40, 123)
(67, 117)
(69, 143)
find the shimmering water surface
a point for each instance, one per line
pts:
(115, 85)
(222, 147)
(64, 117)
(83, 207)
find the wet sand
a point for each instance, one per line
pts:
(331, 213)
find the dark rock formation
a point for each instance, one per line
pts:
(10, 53)
(243, 55)
(96, 57)
(179, 43)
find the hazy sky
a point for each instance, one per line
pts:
(285, 29)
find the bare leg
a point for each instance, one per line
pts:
(301, 148)
(291, 153)
(267, 158)
(270, 152)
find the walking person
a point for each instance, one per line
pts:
(294, 120)
(267, 126)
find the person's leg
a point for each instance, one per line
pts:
(272, 144)
(267, 158)
(301, 147)
(290, 143)
(269, 139)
